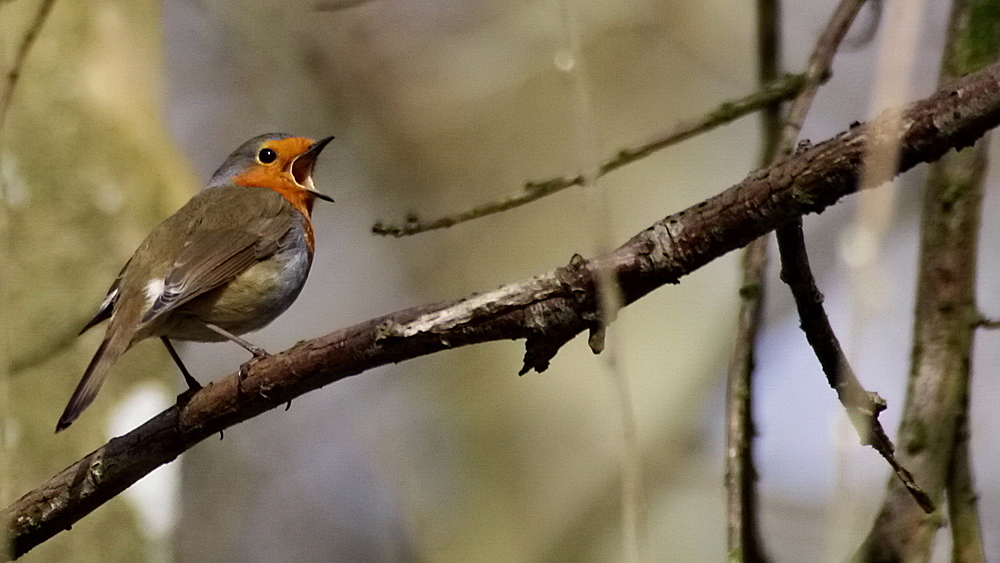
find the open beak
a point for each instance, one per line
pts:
(303, 165)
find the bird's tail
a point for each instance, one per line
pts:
(115, 344)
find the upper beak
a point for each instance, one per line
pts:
(303, 165)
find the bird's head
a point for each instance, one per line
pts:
(277, 161)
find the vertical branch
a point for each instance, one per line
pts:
(743, 526)
(790, 238)
(933, 430)
(779, 142)
(862, 407)
(768, 70)
(975, 33)
(966, 529)
(570, 60)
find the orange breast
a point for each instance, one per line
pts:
(300, 199)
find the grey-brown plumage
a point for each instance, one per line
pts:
(227, 263)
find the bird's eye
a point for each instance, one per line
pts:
(267, 156)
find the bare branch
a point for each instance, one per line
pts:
(942, 349)
(934, 424)
(742, 522)
(547, 311)
(744, 541)
(818, 67)
(963, 514)
(988, 324)
(726, 112)
(862, 407)
(779, 143)
(14, 74)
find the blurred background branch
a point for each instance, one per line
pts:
(779, 141)
(338, 5)
(934, 428)
(727, 112)
(14, 72)
(743, 536)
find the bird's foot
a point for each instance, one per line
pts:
(257, 351)
(258, 355)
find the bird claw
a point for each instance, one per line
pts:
(257, 352)
(244, 372)
(242, 375)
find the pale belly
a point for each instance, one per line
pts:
(248, 303)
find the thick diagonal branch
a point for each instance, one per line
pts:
(547, 310)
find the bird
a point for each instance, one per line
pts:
(228, 262)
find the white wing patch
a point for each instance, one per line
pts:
(109, 299)
(154, 289)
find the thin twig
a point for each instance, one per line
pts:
(743, 526)
(818, 67)
(862, 407)
(744, 541)
(988, 324)
(726, 112)
(48, 350)
(14, 74)
(339, 5)
(547, 311)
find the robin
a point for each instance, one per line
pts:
(227, 263)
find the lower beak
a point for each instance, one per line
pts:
(303, 165)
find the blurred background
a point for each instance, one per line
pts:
(124, 109)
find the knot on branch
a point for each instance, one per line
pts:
(551, 324)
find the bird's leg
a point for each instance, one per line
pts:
(257, 351)
(193, 384)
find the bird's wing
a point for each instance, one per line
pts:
(213, 257)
